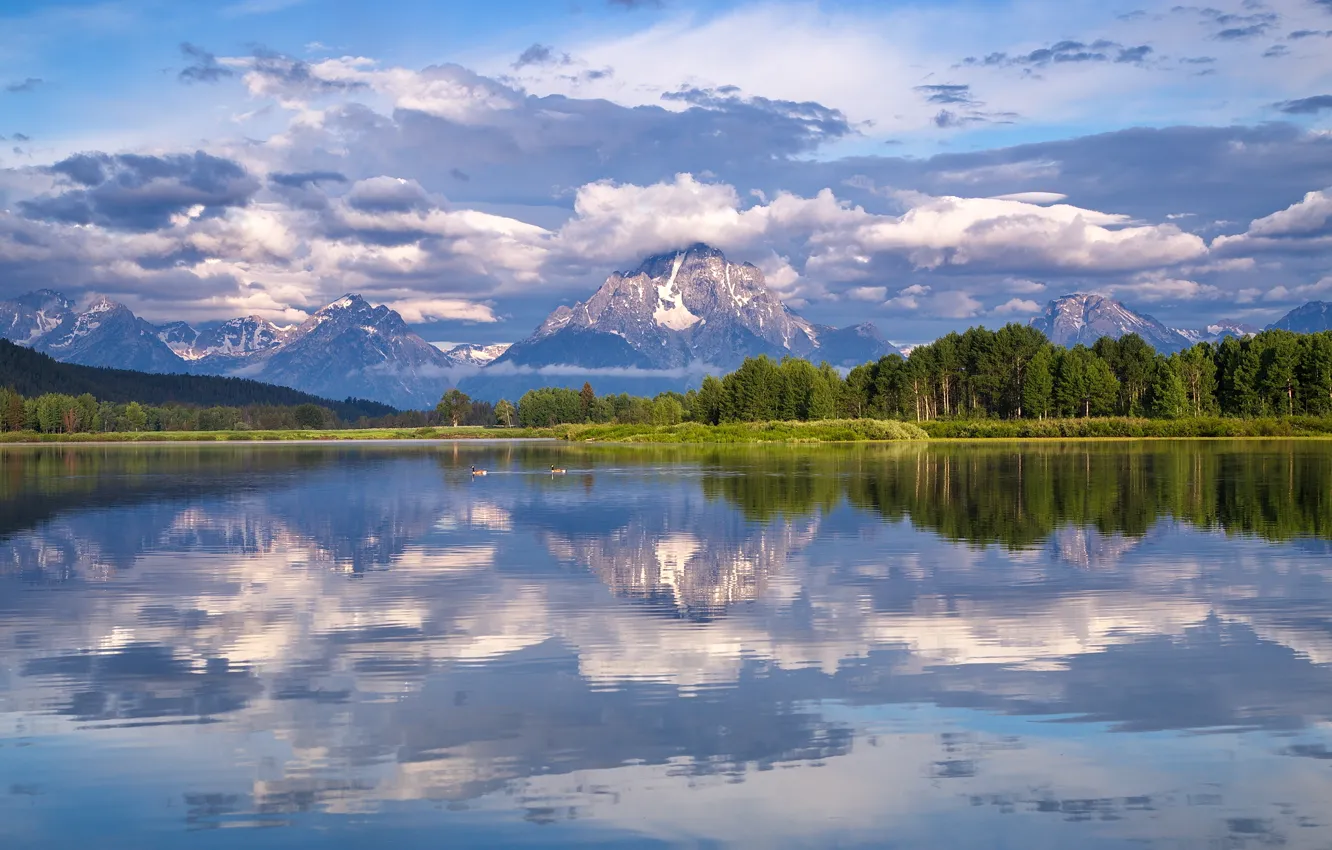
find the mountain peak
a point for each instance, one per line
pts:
(1307, 318)
(346, 302)
(683, 307)
(1081, 318)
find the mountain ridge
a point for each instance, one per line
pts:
(348, 348)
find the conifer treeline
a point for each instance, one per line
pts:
(1011, 373)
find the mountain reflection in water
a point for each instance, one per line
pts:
(913, 646)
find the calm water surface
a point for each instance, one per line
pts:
(1048, 646)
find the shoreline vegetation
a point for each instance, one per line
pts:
(795, 432)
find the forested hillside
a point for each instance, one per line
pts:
(32, 374)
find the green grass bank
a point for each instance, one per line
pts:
(826, 431)
(340, 435)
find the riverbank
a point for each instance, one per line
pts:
(349, 434)
(1130, 428)
(826, 431)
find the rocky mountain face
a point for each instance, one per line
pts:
(1218, 331)
(1082, 319)
(347, 349)
(27, 318)
(1311, 318)
(351, 348)
(477, 356)
(105, 334)
(679, 313)
(219, 345)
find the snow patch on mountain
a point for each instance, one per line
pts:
(671, 311)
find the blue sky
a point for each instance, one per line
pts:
(925, 166)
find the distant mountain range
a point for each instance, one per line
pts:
(660, 326)
(1081, 319)
(346, 349)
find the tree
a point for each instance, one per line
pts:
(136, 418)
(1316, 372)
(1197, 371)
(453, 406)
(1166, 397)
(309, 416)
(1279, 359)
(752, 391)
(706, 405)
(1131, 359)
(1038, 383)
(666, 410)
(587, 398)
(505, 412)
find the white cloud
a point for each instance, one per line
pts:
(867, 293)
(1001, 234)
(1307, 217)
(1152, 287)
(1016, 305)
(1033, 197)
(416, 310)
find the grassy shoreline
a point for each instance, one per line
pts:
(315, 435)
(828, 431)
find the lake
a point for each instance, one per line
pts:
(1098, 645)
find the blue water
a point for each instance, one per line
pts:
(1117, 645)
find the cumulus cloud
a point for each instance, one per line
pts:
(420, 310)
(867, 293)
(1014, 306)
(1012, 235)
(139, 192)
(1309, 216)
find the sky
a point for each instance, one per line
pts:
(925, 166)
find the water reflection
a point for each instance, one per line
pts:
(958, 645)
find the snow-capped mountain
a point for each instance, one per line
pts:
(1217, 331)
(224, 342)
(684, 311)
(1311, 318)
(1083, 318)
(352, 348)
(27, 318)
(107, 334)
(471, 354)
(347, 349)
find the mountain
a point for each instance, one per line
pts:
(351, 347)
(471, 354)
(1311, 318)
(220, 346)
(27, 318)
(32, 373)
(1083, 318)
(107, 334)
(1217, 331)
(347, 349)
(677, 315)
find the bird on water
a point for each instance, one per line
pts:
(476, 471)
(554, 470)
